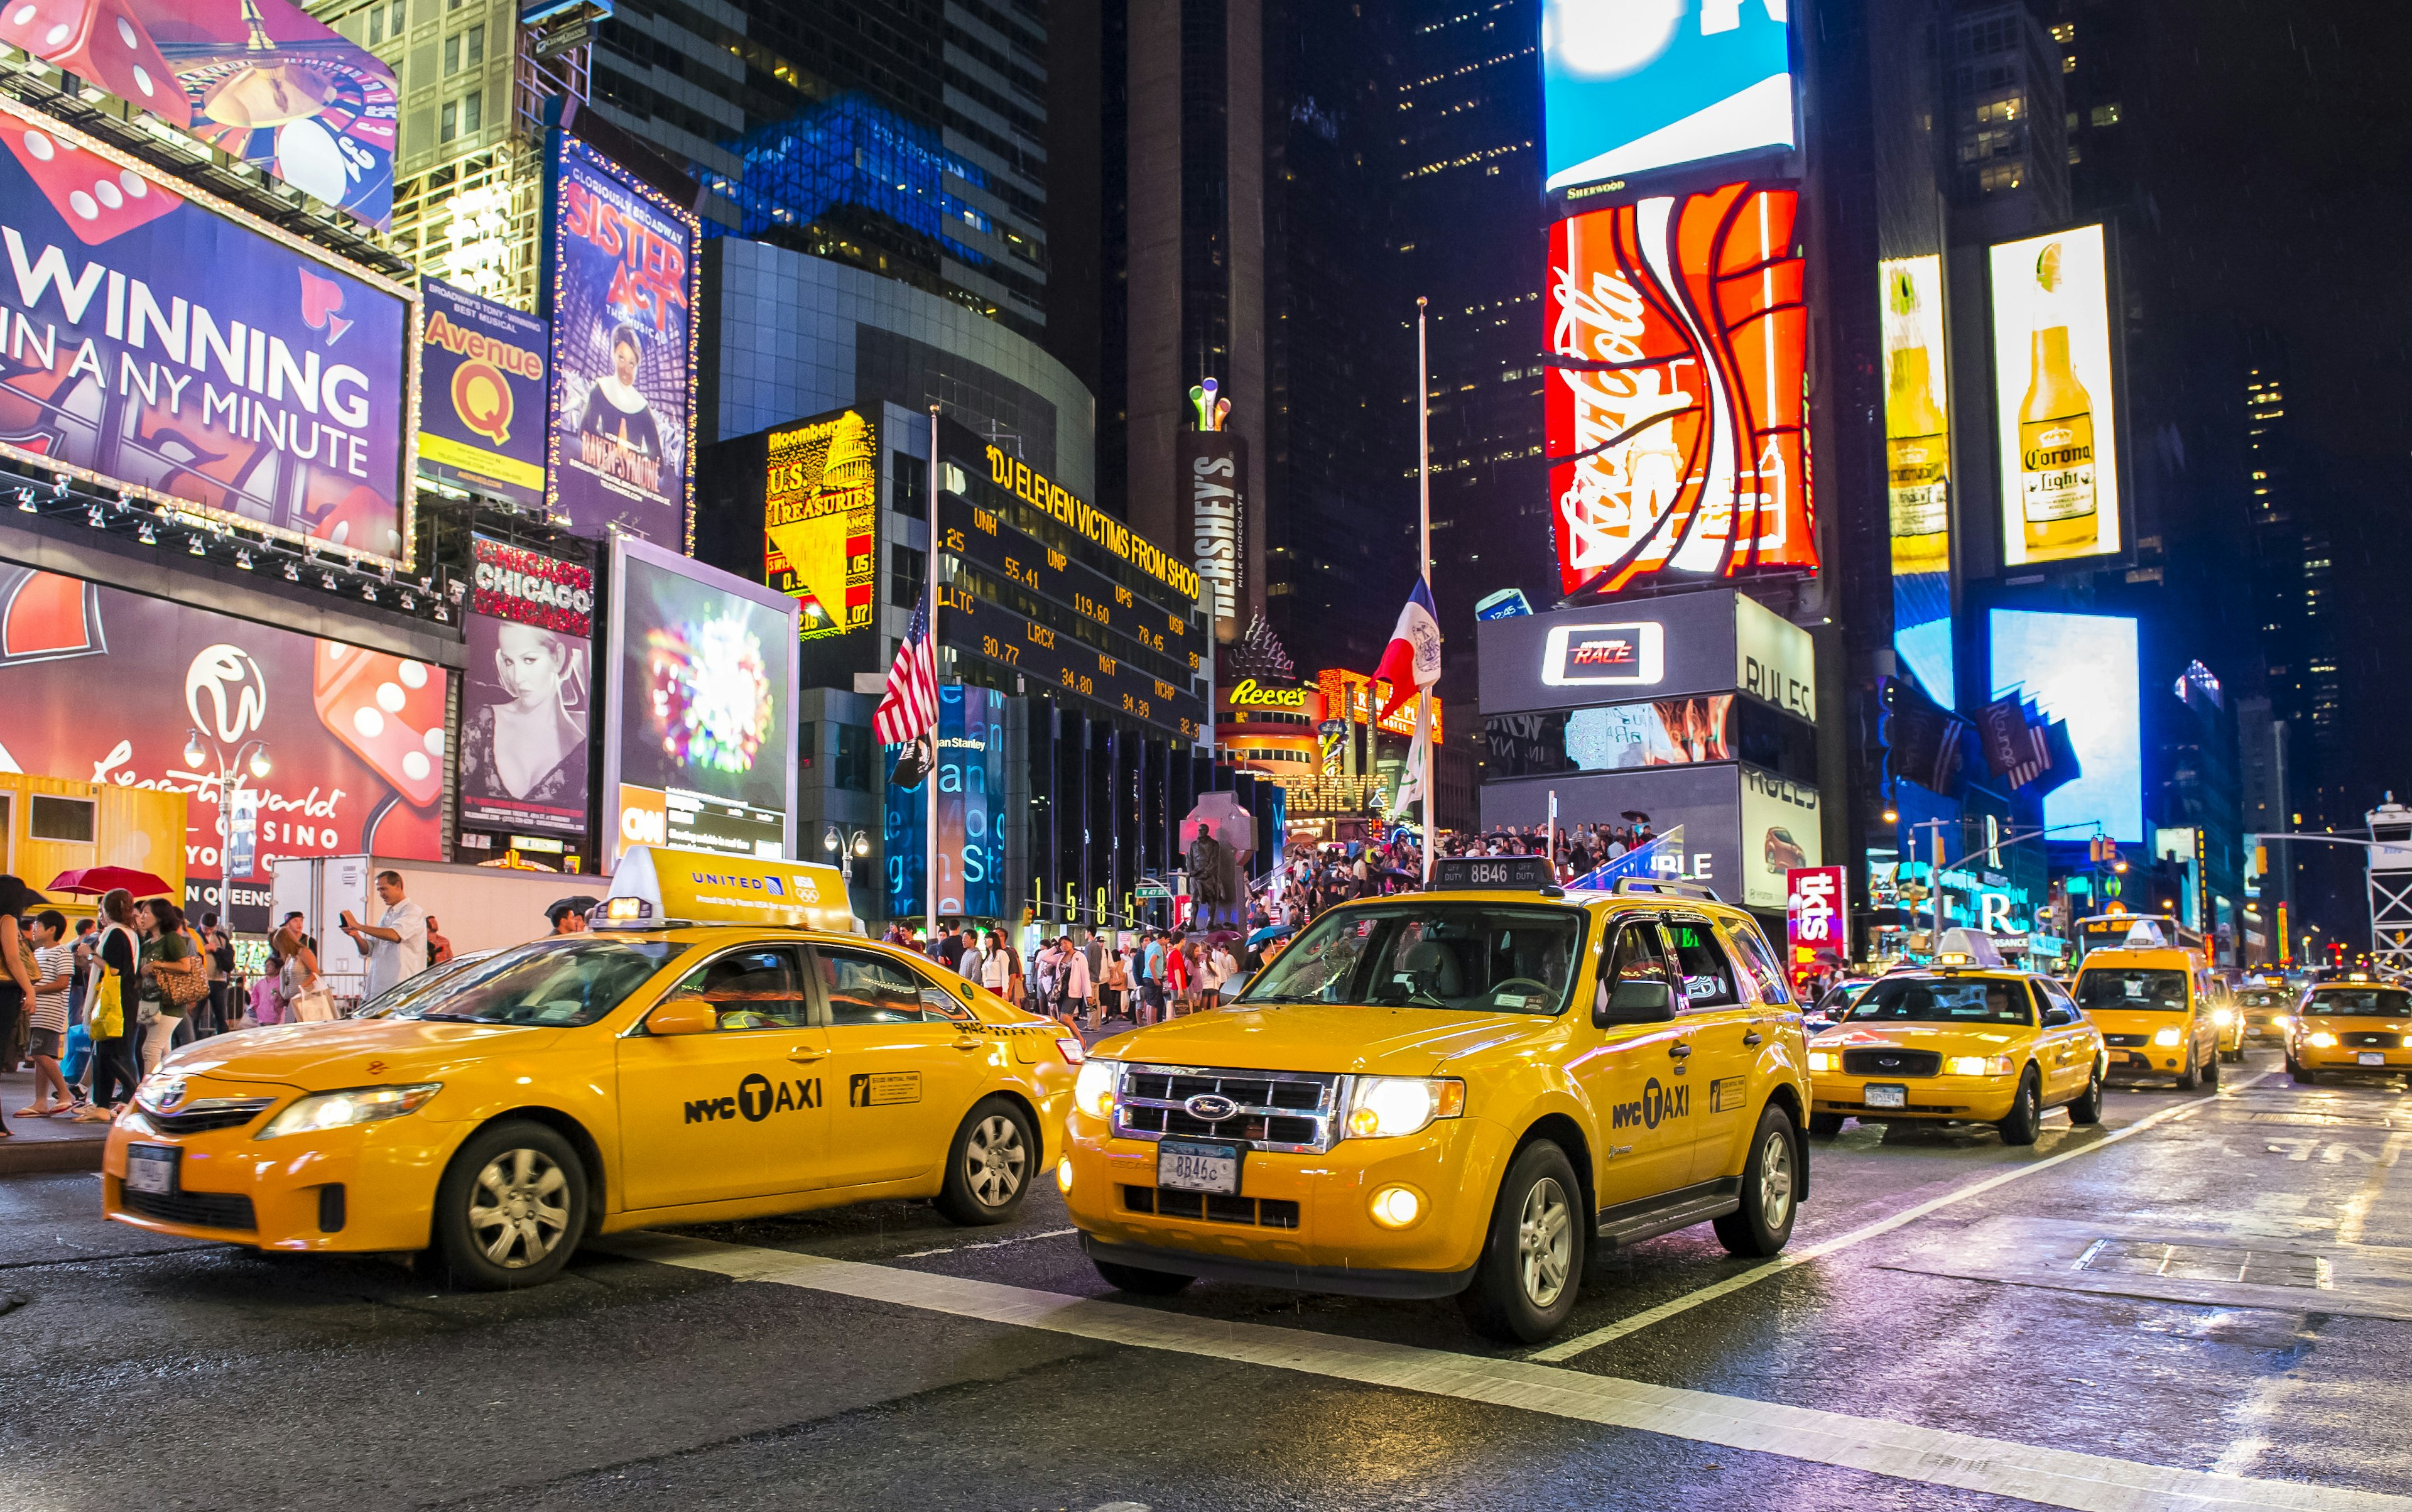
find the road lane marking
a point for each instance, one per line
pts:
(2254, 1418)
(2355, 1217)
(1584, 1342)
(1904, 1451)
(992, 1244)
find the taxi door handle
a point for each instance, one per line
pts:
(1679, 1050)
(1751, 1038)
(805, 1054)
(970, 1042)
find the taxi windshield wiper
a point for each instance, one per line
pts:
(462, 1017)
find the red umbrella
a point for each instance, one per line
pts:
(91, 881)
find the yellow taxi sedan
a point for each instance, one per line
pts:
(2361, 1028)
(676, 1071)
(1978, 1045)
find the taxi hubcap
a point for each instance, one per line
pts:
(518, 1208)
(1545, 1242)
(995, 1159)
(1775, 1181)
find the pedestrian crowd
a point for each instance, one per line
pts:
(1576, 849)
(1096, 980)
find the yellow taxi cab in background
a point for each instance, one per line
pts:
(1968, 1040)
(1454, 1093)
(2265, 1006)
(672, 1066)
(2227, 1019)
(2151, 998)
(2359, 1026)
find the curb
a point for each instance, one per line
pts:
(22, 1157)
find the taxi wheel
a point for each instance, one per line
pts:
(989, 1165)
(1532, 1264)
(2211, 1071)
(1770, 1190)
(2191, 1078)
(2088, 1108)
(2026, 1113)
(511, 1208)
(2302, 1078)
(1825, 1125)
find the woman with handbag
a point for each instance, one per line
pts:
(109, 1009)
(303, 996)
(174, 978)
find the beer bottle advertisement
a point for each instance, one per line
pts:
(1917, 442)
(2054, 397)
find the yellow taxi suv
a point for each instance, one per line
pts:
(1968, 1041)
(2360, 1027)
(1457, 1092)
(669, 1067)
(2153, 1003)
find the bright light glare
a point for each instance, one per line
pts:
(1092, 1093)
(2166, 1037)
(1396, 1206)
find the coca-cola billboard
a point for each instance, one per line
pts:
(109, 686)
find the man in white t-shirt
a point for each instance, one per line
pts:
(396, 943)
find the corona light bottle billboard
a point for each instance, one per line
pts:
(2054, 397)
(1917, 445)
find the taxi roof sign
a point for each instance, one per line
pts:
(656, 885)
(1520, 874)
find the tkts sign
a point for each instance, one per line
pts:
(1677, 428)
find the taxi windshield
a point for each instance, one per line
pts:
(2359, 1002)
(555, 983)
(2263, 999)
(405, 998)
(1918, 1001)
(1486, 958)
(2115, 988)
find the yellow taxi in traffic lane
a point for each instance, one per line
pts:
(2154, 1008)
(1976, 1044)
(678, 1071)
(1457, 1092)
(2350, 1027)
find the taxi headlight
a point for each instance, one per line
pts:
(1978, 1065)
(2168, 1037)
(1385, 1106)
(2320, 1041)
(1396, 1206)
(2280, 1021)
(2222, 1018)
(1822, 1060)
(354, 1104)
(1092, 1093)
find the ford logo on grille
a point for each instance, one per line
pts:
(1209, 1108)
(1890, 1062)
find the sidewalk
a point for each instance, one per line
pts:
(44, 1144)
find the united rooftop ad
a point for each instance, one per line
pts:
(164, 343)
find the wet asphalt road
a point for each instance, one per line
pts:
(2226, 1289)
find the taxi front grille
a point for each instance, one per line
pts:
(202, 1209)
(1267, 1109)
(2126, 1042)
(208, 1114)
(1887, 1062)
(2368, 1041)
(1213, 1207)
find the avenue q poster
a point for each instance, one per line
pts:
(106, 686)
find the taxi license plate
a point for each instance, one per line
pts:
(152, 1168)
(1189, 1167)
(1886, 1096)
(2371, 1058)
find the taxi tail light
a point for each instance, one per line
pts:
(1073, 1051)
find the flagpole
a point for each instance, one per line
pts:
(1424, 549)
(930, 606)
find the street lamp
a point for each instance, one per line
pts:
(846, 851)
(251, 754)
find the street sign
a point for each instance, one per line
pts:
(1150, 890)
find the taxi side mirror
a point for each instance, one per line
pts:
(689, 1013)
(1642, 1002)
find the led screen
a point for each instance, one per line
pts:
(1676, 422)
(703, 697)
(821, 521)
(158, 340)
(259, 79)
(2055, 398)
(529, 705)
(103, 685)
(1629, 86)
(971, 812)
(482, 394)
(623, 296)
(2081, 668)
(1918, 465)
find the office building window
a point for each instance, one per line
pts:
(377, 25)
(464, 117)
(908, 575)
(2107, 115)
(854, 759)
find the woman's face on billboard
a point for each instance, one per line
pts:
(529, 663)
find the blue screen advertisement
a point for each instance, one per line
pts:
(2083, 669)
(1629, 86)
(622, 299)
(971, 806)
(158, 342)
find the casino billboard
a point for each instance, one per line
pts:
(169, 343)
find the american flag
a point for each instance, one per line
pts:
(910, 709)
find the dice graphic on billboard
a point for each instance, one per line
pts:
(390, 711)
(104, 41)
(97, 200)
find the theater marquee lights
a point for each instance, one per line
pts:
(1677, 425)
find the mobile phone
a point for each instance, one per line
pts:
(349, 922)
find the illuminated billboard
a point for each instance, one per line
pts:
(622, 299)
(2081, 668)
(821, 521)
(971, 812)
(109, 686)
(257, 80)
(2055, 398)
(1917, 467)
(1676, 421)
(166, 340)
(482, 394)
(702, 677)
(1632, 86)
(528, 711)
